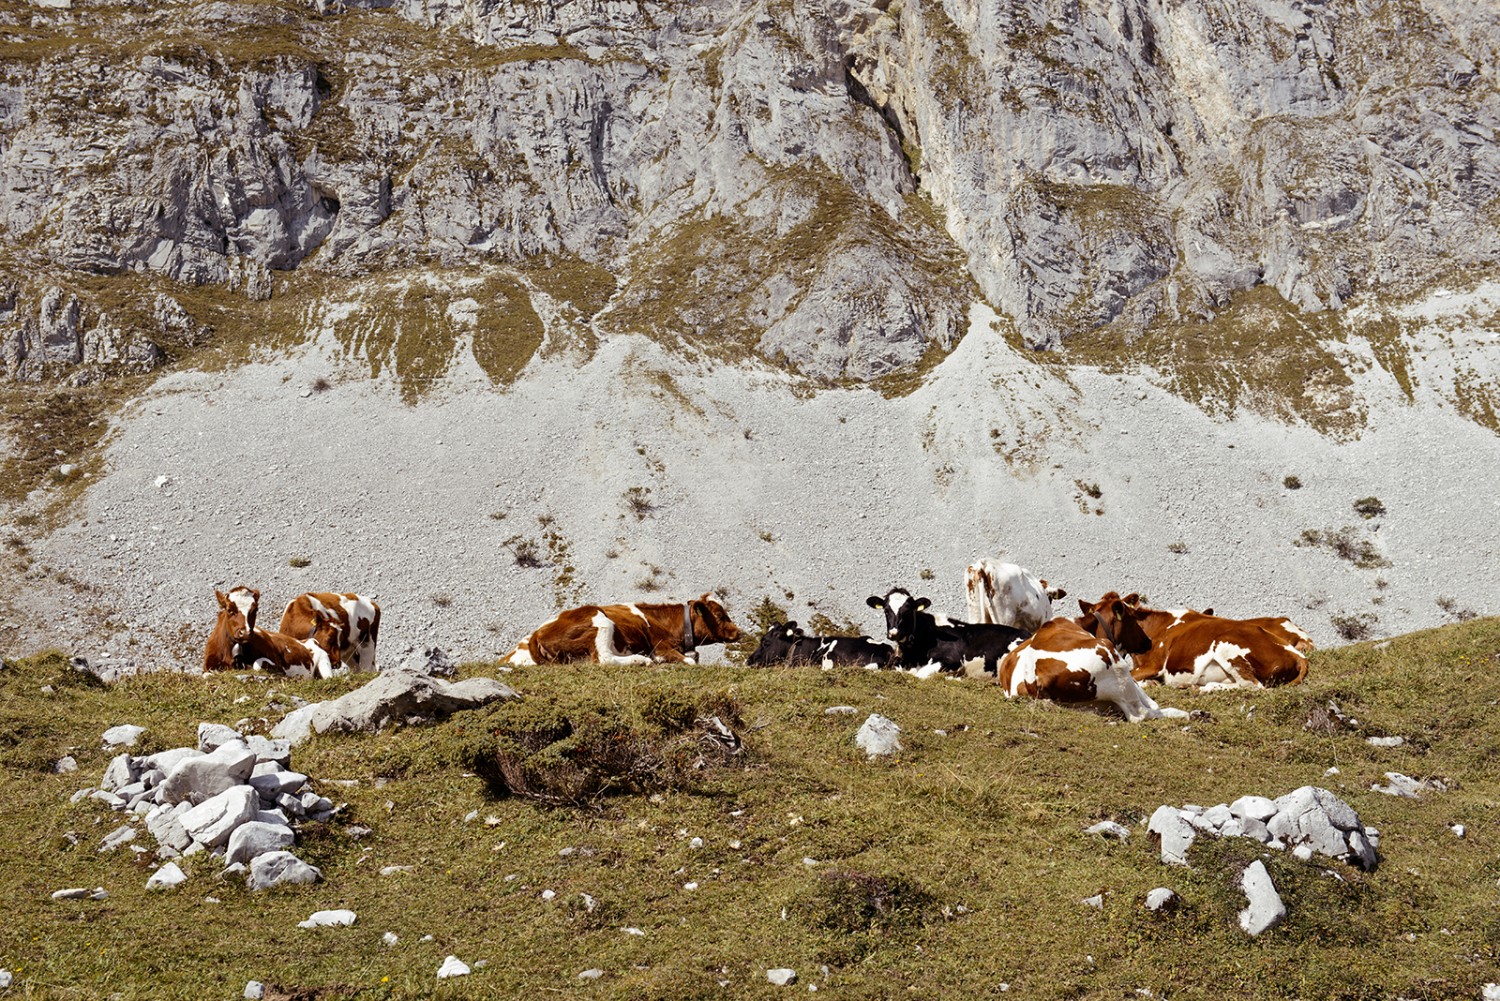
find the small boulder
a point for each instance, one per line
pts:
(253, 839)
(782, 977)
(452, 967)
(211, 736)
(65, 764)
(878, 736)
(214, 820)
(338, 918)
(398, 695)
(1162, 899)
(279, 869)
(1265, 909)
(124, 735)
(254, 990)
(166, 878)
(117, 837)
(1109, 829)
(1253, 808)
(1172, 831)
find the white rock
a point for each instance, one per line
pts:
(1303, 852)
(1490, 992)
(840, 711)
(278, 869)
(1109, 829)
(214, 735)
(99, 893)
(214, 820)
(395, 695)
(390, 938)
(254, 990)
(1459, 830)
(453, 967)
(1385, 741)
(277, 752)
(252, 839)
(336, 918)
(119, 836)
(782, 977)
(593, 974)
(71, 893)
(124, 735)
(201, 778)
(1161, 898)
(878, 736)
(1253, 808)
(1174, 832)
(1096, 901)
(1216, 816)
(167, 877)
(6, 979)
(165, 761)
(1265, 909)
(65, 764)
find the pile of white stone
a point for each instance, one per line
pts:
(232, 797)
(1308, 820)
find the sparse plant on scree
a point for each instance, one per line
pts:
(1346, 544)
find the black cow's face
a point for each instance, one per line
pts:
(776, 645)
(900, 612)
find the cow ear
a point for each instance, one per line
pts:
(875, 601)
(1056, 593)
(223, 598)
(1208, 611)
(1087, 607)
(1133, 598)
(922, 604)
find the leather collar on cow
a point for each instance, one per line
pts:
(689, 642)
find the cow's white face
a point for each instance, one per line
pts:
(900, 612)
(240, 607)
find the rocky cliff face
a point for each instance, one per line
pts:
(823, 184)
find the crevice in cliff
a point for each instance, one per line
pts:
(861, 95)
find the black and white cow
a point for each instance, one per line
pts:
(788, 644)
(928, 643)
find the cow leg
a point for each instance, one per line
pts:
(604, 644)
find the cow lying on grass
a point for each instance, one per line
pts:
(628, 634)
(344, 626)
(927, 644)
(1085, 661)
(236, 643)
(1204, 651)
(788, 644)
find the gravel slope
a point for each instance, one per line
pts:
(757, 489)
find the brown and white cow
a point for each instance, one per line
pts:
(345, 626)
(236, 643)
(628, 634)
(1008, 595)
(1200, 650)
(1085, 661)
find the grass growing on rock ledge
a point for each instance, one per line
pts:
(945, 872)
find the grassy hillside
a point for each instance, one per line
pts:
(953, 870)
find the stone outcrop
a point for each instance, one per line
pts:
(825, 185)
(399, 695)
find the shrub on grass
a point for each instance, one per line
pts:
(1354, 626)
(575, 754)
(852, 902)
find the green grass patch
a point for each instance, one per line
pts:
(953, 867)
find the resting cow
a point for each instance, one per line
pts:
(927, 644)
(345, 626)
(1198, 650)
(1085, 661)
(628, 634)
(788, 644)
(1008, 595)
(236, 643)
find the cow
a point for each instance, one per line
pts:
(236, 643)
(628, 634)
(345, 626)
(1204, 651)
(1085, 661)
(1009, 595)
(927, 644)
(788, 644)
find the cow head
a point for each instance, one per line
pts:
(238, 609)
(711, 624)
(900, 612)
(776, 645)
(1112, 619)
(1055, 593)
